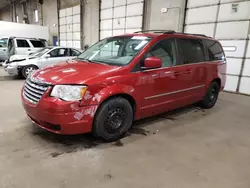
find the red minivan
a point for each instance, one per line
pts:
(125, 78)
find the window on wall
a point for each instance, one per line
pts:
(215, 51)
(36, 15)
(192, 50)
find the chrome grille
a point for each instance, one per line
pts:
(33, 92)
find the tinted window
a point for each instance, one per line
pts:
(74, 52)
(22, 43)
(191, 50)
(59, 52)
(3, 42)
(37, 43)
(165, 50)
(215, 51)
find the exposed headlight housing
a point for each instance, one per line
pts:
(68, 92)
(14, 64)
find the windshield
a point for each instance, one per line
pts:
(115, 50)
(39, 53)
(3, 42)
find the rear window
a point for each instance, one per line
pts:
(192, 50)
(37, 43)
(215, 50)
(22, 43)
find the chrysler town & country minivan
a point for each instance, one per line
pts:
(125, 78)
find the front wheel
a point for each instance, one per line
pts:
(211, 96)
(113, 119)
(27, 70)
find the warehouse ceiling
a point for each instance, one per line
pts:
(4, 3)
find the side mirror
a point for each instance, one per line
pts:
(152, 63)
(47, 56)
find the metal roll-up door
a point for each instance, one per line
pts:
(120, 16)
(70, 27)
(227, 21)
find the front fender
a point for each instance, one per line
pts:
(93, 97)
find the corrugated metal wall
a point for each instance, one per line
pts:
(227, 21)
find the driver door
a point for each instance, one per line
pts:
(58, 55)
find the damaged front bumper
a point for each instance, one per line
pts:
(11, 70)
(60, 117)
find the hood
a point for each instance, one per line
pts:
(72, 72)
(15, 58)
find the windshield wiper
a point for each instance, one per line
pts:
(88, 60)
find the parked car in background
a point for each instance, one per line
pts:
(48, 56)
(24, 46)
(125, 78)
(19, 46)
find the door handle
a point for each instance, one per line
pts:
(4, 50)
(188, 71)
(29, 49)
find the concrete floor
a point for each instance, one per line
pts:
(189, 148)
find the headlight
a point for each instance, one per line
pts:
(68, 92)
(12, 64)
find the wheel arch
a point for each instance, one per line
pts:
(218, 80)
(126, 96)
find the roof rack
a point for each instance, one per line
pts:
(171, 32)
(201, 35)
(156, 31)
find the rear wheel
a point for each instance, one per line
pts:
(113, 119)
(27, 70)
(211, 96)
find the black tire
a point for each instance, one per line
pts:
(113, 119)
(28, 69)
(211, 96)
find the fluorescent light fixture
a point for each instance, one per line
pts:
(36, 15)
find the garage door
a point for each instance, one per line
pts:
(227, 21)
(70, 27)
(120, 16)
